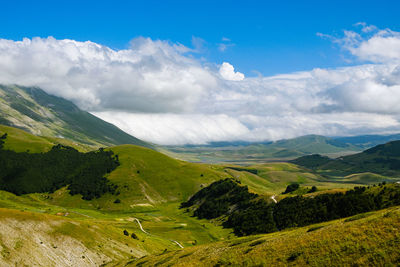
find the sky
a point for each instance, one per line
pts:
(180, 72)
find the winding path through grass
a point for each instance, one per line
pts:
(141, 228)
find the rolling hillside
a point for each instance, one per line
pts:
(148, 178)
(151, 187)
(37, 112)
(382, 159)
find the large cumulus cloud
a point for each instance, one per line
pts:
(158, 91)
(151, 76)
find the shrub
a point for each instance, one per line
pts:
(313, 189)
(134, 236)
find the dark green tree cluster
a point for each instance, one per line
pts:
(83, 173)
(292, 187)
(313, 189)
(257, 216)
(311, 161)
(2, 138)
(301, 211)
(217, 199)
(254, 171)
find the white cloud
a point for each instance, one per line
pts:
(178, 129)
(365, 27)
(150, 76)
(157, 91)
(226, 43)
(384, 46)
(228, 72)
(198, 44)
(224, 46)
(372, 44)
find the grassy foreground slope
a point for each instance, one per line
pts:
(370, 239)
(40, 239)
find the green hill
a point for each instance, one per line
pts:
(39, 113)
(382, 159)
(310, 144)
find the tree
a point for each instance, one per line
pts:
(3, 137)
(292, 187)
(313, 189)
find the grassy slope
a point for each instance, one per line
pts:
(32, 238)
(22, 141)
(377, 164)
(368, 239)
(147, 177)
(34, 110)
(375, 160)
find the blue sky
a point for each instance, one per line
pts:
(269, 37)
(180, 72)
